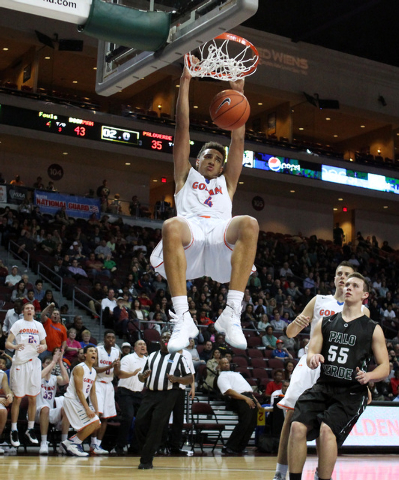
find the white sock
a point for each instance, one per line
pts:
(180, 304)
(76, 440)
(14, 427)
(283, 469)
(31, 425)
(44, 438)
(98, 443)
(64, 436)
(93, 441)
(234, 297)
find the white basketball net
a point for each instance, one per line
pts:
(216, 62)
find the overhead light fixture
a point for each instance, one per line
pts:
(382, 101)
(322, 103)
(5, 49)
(127, 163)
(379, 151)
(155, 180)
(328, 118)
(94, 68)
(292, 191)
(47, 58)
(241, 183)
(335, 209)
(260, 103)
(300, 128)
(45, 39)
(75, 81)
(335, 136)
(340, 199)
(65, 153)
(362, 126)
(385, 206)
(195, 106)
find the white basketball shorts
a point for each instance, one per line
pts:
(302, 378)
(105, 399)
(208, 253)
(77, 415)
(55, 414)
(26, 378)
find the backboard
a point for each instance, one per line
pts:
(194, 22)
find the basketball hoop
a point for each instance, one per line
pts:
(227, 57)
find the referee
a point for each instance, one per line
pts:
(163, 372)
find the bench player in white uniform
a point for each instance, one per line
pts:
(25, 373)
(303, 377)
(48, 407)
(204, 239)
(108, 364)
(82, 418)
(4, 402)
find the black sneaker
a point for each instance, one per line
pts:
(31, 436)
(14, 438)
(145, 466)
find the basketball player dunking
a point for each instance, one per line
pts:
(303, 377)
(204, 239)
(343, 344)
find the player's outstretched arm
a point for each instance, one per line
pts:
(380, 352)
(181, 148)
(233, 167)
(314, 357)
(302, 320)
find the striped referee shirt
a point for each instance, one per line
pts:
(162, 364)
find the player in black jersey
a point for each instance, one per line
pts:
(343, 344)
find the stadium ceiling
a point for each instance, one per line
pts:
(364, 28)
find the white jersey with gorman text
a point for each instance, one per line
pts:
(47, 392)
(202, 197)
(30, 334)
(89, 377)
(105, 359)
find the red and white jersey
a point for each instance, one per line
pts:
(89, 377)
(325, 306)
(47, 392)
(202, 197)
(105, 359)
(30, 334)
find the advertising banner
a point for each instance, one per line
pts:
(3, 194)
(78, 207)
(17, 195)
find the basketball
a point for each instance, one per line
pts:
(229, 109)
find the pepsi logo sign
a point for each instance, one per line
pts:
(274, 164)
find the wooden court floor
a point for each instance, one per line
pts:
(251, 467)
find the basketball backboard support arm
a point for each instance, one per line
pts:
(203, 24)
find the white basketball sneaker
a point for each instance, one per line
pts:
(184, 329)
(316, 474)
(97, 450)
(43, 448)
(229, 323)
(278, 476)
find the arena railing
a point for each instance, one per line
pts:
(75, 299)
(51, 277)
(13, 249)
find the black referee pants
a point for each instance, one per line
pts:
(176, 429)
(129, 403)
(151, 420)
(247, 420)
